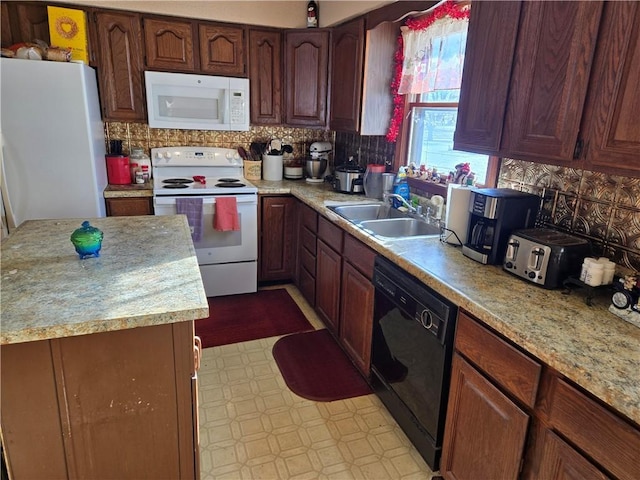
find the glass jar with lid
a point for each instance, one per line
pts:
(140, 161)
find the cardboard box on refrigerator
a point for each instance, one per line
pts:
(68, 29)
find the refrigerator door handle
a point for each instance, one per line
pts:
(6, 203)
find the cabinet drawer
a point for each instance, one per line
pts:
(308, 261)
(359, 255)
(307, 285)
(606, 438)
(308, 240)
(330, 234)
(308, 217)
(512, 369)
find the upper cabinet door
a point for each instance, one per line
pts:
(551, 68)
(612, 129)
(306, 77)
(169, 44)
(347, 53)
(265, 76)
(222, 50)
(491, 40)
(119, 62)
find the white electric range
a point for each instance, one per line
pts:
(227, 260)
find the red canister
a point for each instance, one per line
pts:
(118, 172)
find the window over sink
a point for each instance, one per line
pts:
(433, 58)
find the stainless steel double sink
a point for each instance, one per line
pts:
(384, 221)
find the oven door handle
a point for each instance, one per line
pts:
(240, 199)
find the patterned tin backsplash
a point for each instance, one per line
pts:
(603, 208)
(140, 135)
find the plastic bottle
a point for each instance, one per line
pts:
(585, 267)
(142, 162)
(401, 187)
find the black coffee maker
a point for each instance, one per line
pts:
(494, 214)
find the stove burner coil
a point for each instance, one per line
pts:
(228, 180)
(177, 181)
(176, 185)
(230, 185)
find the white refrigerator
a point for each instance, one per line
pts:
(53, 144)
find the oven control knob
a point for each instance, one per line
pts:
(167, 155)
(532, 275)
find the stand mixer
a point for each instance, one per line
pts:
(317, 165)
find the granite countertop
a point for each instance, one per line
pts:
(588, 345)
(127, 191)
(147, 274)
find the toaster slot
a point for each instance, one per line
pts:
(536, 257)
(512, 250)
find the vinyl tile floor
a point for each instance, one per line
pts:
(253, 427)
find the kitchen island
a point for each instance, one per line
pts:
(98, 354)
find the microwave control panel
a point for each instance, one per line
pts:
(237, 107)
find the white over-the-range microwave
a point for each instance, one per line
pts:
(197, 102)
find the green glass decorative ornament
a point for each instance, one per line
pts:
(87, 240)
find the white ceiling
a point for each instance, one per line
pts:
(266, 13)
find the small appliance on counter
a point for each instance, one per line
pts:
(316, 166)
(494, 214)
(545, 257)
(349, 178)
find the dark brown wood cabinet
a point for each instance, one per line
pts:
(24, 22)
(169, 44)
(306, 56)
(305, 272)
(129, 206)
(485, 431)
(277, 234)
(119, 61)
(559, 461)
(329, 274)
(222, 49)
(562, 93)
(265, 76)
(549, 80)
(611, 130)
(491, 40)
(87, 406)
(195, 47)
(347, 57)
(510, 416)
(356, 302)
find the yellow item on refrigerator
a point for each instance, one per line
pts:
(68, 29)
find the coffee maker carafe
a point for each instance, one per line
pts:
(493, 214)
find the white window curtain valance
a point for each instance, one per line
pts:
(433, 57)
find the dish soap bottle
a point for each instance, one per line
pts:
(401, 187)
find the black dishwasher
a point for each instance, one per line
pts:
(413, 329)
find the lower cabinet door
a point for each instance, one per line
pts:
(485, 431)
(356, 316)
(559, 461)
(328, 268)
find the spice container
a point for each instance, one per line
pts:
(140, 161)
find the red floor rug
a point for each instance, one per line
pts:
(240, 318)
(316, 368)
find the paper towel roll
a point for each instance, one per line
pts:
(457, 214)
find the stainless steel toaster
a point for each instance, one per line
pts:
(544, 256)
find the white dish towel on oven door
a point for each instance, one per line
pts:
(192, 208)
